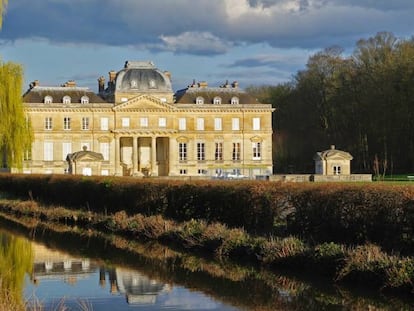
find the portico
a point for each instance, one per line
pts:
(142, 153)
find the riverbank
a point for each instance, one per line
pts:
(365, 264)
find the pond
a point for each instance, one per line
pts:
(65, 270)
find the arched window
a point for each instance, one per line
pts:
(217, 100)
(66, 99)
(84, 100)
(234, 100)
(199, 100)
(48, 99)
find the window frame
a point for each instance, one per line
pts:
(218, 124)
(201, 151)
(48, 123)
(236, 152)
(256, 124)
(67, 123)
(182, 151)
(257, 150)
(200, 124)
(85, 126)
(182, 124)
(218, 151)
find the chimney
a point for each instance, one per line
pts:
(168, 74)
(226, 85)
(101, 84)
(34, 84)
(70, 83)
(235, 84)
(202, 84)
(112, 76)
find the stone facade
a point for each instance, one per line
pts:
(142, 128)
(332, 162)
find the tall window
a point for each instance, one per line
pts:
(182, 151)
(27, 155)
(104, 124)
(143, 122)
(201, 151)
(125, 122)
(48, 151)
(85, 123)
(104, 149)
(236, 152)
(66, 149)
(48, 123)
(235, 124)
(337, 170)
(162, 122)
(66, 123)
(217, 124)
(218, 154)
(200, 124)
(256, 124)
(182, 124)
(257, 150)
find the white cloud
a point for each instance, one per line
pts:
(196, 43)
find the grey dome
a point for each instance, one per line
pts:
(142, 77)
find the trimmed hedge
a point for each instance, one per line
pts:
(343, 213)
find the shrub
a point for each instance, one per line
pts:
(276, 249)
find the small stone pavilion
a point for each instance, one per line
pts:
(335, 165)
(85, 163)
(333, 162)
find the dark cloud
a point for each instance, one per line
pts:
(206, 27)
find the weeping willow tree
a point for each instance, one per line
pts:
(15, 132)
(15, 129)
(16, 260)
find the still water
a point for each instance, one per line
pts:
(68, 270)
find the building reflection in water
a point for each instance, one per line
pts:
(137, 288)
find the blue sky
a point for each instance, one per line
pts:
(254, 42)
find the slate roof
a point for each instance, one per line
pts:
(37, 94)
(189, 95)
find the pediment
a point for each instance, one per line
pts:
(144, 102)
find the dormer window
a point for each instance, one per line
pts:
(234, 100)
(217, 100)
(134, 84)
(66, 100)
(152, 84)
(84, 100)
(48, 99)
(199, 100)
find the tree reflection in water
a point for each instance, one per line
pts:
(16, 259)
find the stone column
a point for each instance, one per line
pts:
(134, 155)
(154, 166)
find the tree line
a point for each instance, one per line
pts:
(362, 103)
